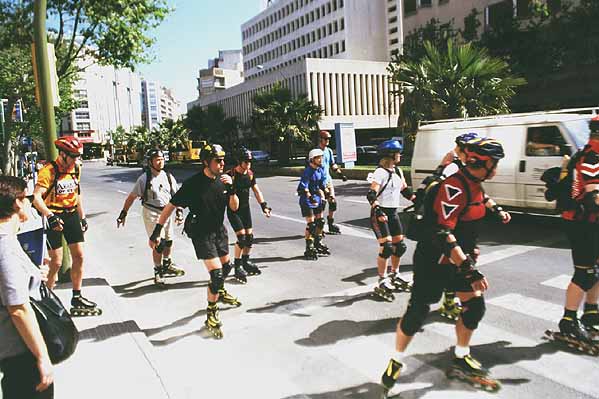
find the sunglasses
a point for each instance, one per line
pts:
(219, 160)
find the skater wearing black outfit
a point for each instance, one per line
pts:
(207, 195)
(445, 261)
(388, 183)
(241, 219)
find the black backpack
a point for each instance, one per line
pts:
(417, 217)
(57, 173)
(560, 190)
(144, 198)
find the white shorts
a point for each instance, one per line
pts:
(150, 218)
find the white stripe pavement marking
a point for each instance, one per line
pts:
(529, 306)
(122, 192)
(356, 201)
(562, 281)
(571, 370)
(345, 230)
(513, 250)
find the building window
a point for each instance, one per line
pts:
(83, 126)
(336, 48)
(426, 3)
(393, 41)
(342, 23)
(497, 14)
(334, 5)
(392, 20)
(83, 104)
(393, 30)
(392, 9)
(343, 46)
(340, 3)
(409, 6)
(328, 7)
(336, 26)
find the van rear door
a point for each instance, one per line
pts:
(543, 150)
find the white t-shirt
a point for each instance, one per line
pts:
(390, 196)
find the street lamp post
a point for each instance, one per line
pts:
(261, 67)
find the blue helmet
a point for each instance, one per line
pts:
(462, 139)
(389, 147)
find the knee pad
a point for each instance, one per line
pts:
(217, 280)
(332, 204)
(586, 278)
(241, 240)
(386, 250)
(249, 240)
(320, 223)
(168, 243)
(400, 248)
(473, 312)
(312, 229)
(414, 318)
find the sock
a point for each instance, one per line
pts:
(398, 356)
(76, 293)
(211, 304)
(591, 308)
(570, 314)
(245, 258)
(461, 351)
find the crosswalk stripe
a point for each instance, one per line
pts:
(529, 306)
(571, 370)
(562, 281)
(345, 230)
(513, 250)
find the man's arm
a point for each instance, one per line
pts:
(164, 216)
(38, 202)
(120, 221)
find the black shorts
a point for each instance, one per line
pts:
(211, 245)
(21, 377)
(241, 219)
(584, 241)
(307, 211)
(431, 278)
(392, 227)
(71, 229)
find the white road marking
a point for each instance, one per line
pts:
(571, 370)
(122, 192)
(513, 250)
(345, 230)
(529, 306)
(356, 201)
(562, 281)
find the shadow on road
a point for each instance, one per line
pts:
(105, 331)
(276, 259)
(293, 307)
(360, 278)
(266, 240)
(135, 290)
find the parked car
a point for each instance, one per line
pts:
(366, 154)
(261, 157)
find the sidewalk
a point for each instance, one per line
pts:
(114, 359)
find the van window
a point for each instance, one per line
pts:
(544, 141)
(579, 131)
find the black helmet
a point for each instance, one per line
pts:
(479, 151)
(243, 154)
(211, 151)
(154, 153)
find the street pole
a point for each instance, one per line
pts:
(47, 103)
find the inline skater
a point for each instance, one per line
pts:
(388, 183)
(241, 220)
(450, 164)
(580, 222)
(207, 194)
(311, 192)
(445, 261)
(57, 196)
(156, 187)
(328, 162)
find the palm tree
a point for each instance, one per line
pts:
(284, 119)
(462, 81)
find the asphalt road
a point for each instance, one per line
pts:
(311, 329)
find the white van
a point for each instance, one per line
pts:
(532, 144)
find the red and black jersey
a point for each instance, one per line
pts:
(451, 204)
(586, 172)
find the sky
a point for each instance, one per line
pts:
(191, 35)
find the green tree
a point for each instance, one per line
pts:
(281, 118)
(462, 81)
(212, 124)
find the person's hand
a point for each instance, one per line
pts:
(55, 222)
(380, 215)
(44, 366)
(84, 225)
(179, 216)
(44, 270)
(226, 179)
(480, 285)
(447, 159)
(120, 221)
(266, 209)
(313, 200)
(505, 217)
(155, 236)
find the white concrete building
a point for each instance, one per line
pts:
(222, 72)
(169, 105)
(108, 98)
(347, 90)
(150, 104)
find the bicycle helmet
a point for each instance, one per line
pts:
(244, 155)
(462, 139)
(317, 152)
(154, 153)
(479, 151)
(211, 151)
(324, 134)
(70, 145)
(389, 147)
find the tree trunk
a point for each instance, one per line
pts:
(7, 150)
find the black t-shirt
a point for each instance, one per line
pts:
(243, 182)
(205, 197)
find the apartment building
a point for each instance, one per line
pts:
(222, 72)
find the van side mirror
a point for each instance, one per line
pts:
(565, 149)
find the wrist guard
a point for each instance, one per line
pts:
(440, 238)
(265, 206)
(230, 189)
(468, 272)
(84, 225)
(122, 215)
(53, 221)
(378, 212)
(467, 265)
(371, 196)
(156, 233)
(407, 193)
(496, 211)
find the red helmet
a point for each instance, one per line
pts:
(594, 124)
(479, 151)
(69, 144)
(324, 134)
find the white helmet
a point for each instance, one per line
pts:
(317, 152)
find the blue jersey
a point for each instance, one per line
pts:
(327, 161)
(313, 180)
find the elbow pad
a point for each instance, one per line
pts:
(407, 193)
(371, 196)
(589, 201)
(440, 240)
